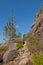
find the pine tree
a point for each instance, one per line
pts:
(10, 29)
(19, 35)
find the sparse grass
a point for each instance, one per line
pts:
(3, 48)
(19, 45)
(34, 45)
(34, 40)
(38, 60)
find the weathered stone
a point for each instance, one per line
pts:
(12, 43)
(23, 61)
(10, 55)
(37, 28)
(38, 23)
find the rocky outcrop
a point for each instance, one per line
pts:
(10, 55)
(26, 56)
(23, 58)
(12, 43)
(38, 23)
(37, 27)
(12, 51)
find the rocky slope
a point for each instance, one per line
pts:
(37, 27)
(23, 56)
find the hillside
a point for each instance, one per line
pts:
(14, 52)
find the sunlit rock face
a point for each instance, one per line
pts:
(12, 43)
(10, 55)
(17, 57)
(37, 27)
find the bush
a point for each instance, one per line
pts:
(36, 42)
(34, 45)
(3, 48)
(19, 45)
(38, 60)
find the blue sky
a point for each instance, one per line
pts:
(24, 12)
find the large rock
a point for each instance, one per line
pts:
(10, 55)
(25, 56)
(22, 59)
(37, 27)
(12, 43)
(11, 63)
(38, 23)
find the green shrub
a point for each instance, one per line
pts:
(38, 60)
(19, 45)
(3, 48)
(34, 45)
(34, 40)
